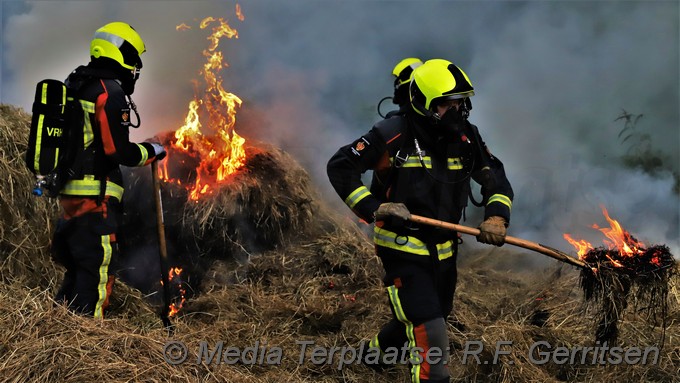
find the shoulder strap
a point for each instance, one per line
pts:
(399, 158)
(83, 161)
(484, 163)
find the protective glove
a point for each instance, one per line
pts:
(492, 231)
(391, 209)
(159, 151)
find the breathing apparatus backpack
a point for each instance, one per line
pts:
(56, 128)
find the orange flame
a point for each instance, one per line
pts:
(582, 246)
(619, 240)
(221, 153)
(239, 12)
(173, 275)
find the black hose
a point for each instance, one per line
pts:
(380, 103)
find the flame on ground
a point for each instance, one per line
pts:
(208, 132)
(174, 277)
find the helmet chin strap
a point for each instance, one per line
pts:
(466, 106)
(428, 113)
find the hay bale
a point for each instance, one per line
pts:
(268, 204)
(25, 220)
(258, 209)
(613, 279)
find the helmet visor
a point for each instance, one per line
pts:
(130, 55)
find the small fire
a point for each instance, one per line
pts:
(221, 152)
(582, 246)
(620, 243)
(620, 239)
(174, 278)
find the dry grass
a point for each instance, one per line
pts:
(319, 284)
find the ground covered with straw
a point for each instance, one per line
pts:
(312, 284)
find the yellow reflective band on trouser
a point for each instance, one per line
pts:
(393, 293)
(145, 154)
(356, 196)
(505, 200)
(91, 187)
(374, 343)
(408, 244)
(103, 276)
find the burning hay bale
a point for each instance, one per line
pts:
(615, 277)
(269, 198)
(265, 204)
(626, 269)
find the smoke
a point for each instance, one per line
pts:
(550, 79)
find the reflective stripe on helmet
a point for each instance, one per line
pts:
(113, 39)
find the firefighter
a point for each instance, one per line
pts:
(424, 160)
(84, 241)
(402, 78)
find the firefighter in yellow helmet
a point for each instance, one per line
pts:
(402, 78)
(84, 241)
(424, 161)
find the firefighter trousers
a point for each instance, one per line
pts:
(84, 243)
(420, 290)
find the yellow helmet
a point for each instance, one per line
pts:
(120, 42)
(440, 61)
(403, 70)
(437, 80)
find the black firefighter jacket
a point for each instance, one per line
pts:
(433, 182)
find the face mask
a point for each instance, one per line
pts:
(453, 120)
(128, 85)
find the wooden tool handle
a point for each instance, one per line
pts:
(545, 250)
(162, 246)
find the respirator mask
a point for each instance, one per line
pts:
(455, 117)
